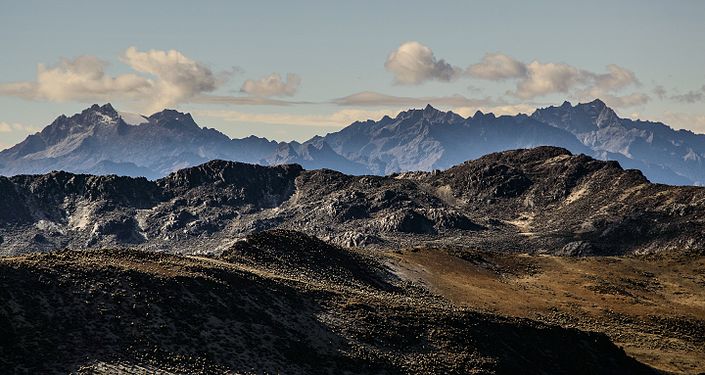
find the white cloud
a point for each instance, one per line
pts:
(497, 66)
(616, 78)
(272, 85)
(550, 78)
(178, 78)
(166, 78)
(547, 78)
(537, 79)
(414, 63)
(82, 78)
(340, 118)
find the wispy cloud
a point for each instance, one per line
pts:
(660, 92)
(375, 99)
(244, 100)
(339, 118)
(692, 96)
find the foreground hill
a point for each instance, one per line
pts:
(102, 141)
(127, 311)
(542, 200)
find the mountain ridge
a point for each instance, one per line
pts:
(545, 199)
(99, 141)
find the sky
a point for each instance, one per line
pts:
(290, 70)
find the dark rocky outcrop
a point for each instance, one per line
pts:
(544, 199)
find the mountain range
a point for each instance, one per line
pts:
(523, 261)
(102, 141)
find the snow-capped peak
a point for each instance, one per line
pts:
(132, 118)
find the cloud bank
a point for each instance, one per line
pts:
(415, 63)
(340, 118)
(496, 67)
(371, 99)
(159, 79)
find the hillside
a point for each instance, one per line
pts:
(129, 311)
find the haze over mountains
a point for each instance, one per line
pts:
(101, 140)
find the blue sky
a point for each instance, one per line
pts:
(280, 69)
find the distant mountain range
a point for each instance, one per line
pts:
(101, 140)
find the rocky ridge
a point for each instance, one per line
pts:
(539, 200)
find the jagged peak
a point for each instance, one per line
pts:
(172, 118)
(597, 103)
(89, 116)
(480, 115)
(429, 112)
(106, 109)
(170, 113)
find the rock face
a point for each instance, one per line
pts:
(539, 200)
(126, 311)
(100, 140)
